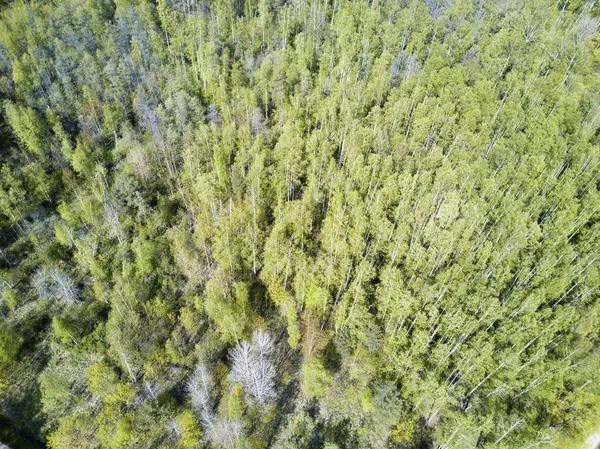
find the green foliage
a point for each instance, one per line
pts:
(402, 195)
(315, 377)
(403, 431)
(10, 344)
(189, 430)
(28, 126)
(102, 379)
(9, 296)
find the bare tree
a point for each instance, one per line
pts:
(112, 218)
(64, 285)
(173, 426)
(139, 159)
(212, 114)
(405, 65)
(254, 368)
(54, 283)
(226, 432)
(153, 388)
(587, 26)
(42, 284)
(437, 7)
(258, 122)
(198, 387)
(222, 432)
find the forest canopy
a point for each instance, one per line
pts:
(299, 223)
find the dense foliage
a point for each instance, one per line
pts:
(299, 223)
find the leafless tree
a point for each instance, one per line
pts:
(56, 283)
(437, 7)
(174, 427)
(254, 368)
(153, 388)
(212, 114)
(226, 432)
(112, 218)
(405, 65)
(222, 432)
(139, 159)
(587, 26)
(198, 387)
(42, 284)
(65, 285)
(257, 122)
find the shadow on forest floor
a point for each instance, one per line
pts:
(15, 438)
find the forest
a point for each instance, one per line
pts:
(309, 224)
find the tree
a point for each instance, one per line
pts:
(28, 126)
(10, 344)
(198, 387)
(253, 366)
(315, 377)
(405, 193)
